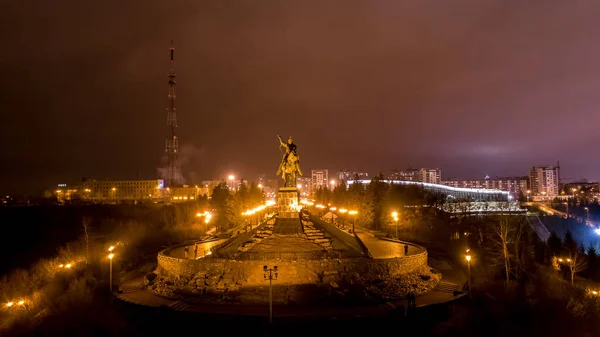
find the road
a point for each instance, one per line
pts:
(383, 249)
(549, 210)
(203, 248)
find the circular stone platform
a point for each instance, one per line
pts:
(316, 265)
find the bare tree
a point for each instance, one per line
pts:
(520, 248)
(577, 262)
(85, 222)
(501, 234)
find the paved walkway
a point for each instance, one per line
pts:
(132, 291)
(203, 248)
(383, 249)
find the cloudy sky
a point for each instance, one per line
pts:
(474, 87)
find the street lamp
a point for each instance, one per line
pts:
(231, 177)
(332, 182)
(207, 217)
(468, 257)
(528, 192)
(587, 216)
(343, 211)
(353, 213)
(395, 216)
(270, 274)
(332, 209)
(110, 258)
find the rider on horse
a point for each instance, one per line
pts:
(290, 147)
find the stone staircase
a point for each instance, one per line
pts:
(316, 235)
(447, 287)
(260, 235)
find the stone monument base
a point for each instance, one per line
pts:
(287, 203)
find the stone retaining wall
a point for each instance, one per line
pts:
(291, 272)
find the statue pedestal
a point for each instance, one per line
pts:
(287, 203)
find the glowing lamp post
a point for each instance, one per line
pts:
(270, 274)
(353, 213)
(231, 177)
(528, 192)
(110, 258)
(207, 216)
(395, 216)
(587, 216)
(468, 257)
(332, 209)
(343, 211)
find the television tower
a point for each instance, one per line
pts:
(171, 170)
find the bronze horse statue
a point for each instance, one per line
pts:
(289, 168)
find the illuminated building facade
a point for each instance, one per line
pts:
(320, 179)
(116, 191)
(305, 186)
(474, 194)
(423, 175)
(347, 175)
(514, 185)
(543, 181)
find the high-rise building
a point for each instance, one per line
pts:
(423, 175)
(543, 181)
(305, 186)
(347, 175)
(320, 179)
(430, 175)
(514, 185)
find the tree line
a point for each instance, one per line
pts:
(376, 201)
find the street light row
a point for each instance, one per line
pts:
(207, 216)
(21, 303)
(254, 210)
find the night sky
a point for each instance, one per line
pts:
(473, 87)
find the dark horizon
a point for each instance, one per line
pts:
(474, 88)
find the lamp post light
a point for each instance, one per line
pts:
(395, 216)
(332, 209)
(468, 257)
(353, 213)
(231, 177)
(332, 182)
(270, 274)
(587, 215)
(207, 216)
(343, 211)
(110, 258)
(528, 192)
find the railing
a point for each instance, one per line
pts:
(290, 256)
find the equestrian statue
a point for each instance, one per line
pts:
(289, 167)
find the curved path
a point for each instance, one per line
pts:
(384, 249)
(203, 248)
